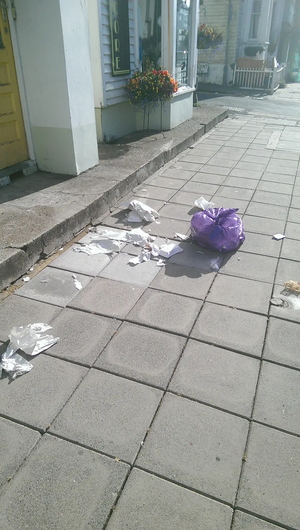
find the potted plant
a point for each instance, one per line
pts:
(209, 38)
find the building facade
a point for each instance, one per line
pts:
(63, 65)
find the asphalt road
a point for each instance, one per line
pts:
(284, 103)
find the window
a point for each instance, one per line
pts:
(182, 41)
(149, 16)
(255, 16)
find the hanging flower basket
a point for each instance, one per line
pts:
(209, 38)
(148, 89)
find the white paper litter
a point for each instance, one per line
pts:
(77, 283)
(215, 263)
(44, 281)
(182, 237)
(278, 237)
(203, 204)
(28, 339)
(26, 279)
(134, 217)
(98, 246)
(145, 212)
(136, 260)
(160, 263)
(137, 236)
(166, 251)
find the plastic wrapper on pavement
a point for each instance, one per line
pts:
(218, 229)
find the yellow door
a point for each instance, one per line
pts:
(13, 145)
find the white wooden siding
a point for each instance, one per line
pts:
(113, 85)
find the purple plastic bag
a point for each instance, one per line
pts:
(218, 229)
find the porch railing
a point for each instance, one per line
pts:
(260, 78)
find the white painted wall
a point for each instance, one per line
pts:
(54, 52)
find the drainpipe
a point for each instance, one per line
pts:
(227, 42)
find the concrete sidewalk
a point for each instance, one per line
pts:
(172, 400)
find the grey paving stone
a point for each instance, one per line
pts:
(294, 215)
(108, 298)
(195, 256)
(147, 191)
(278, 177)
(181, 211)
(233, 153)
(117, 219)
(165, 182)
(16, 444)
(282, 155)
(222, 160)
(196, 159)
(255, 159)
(295, 202)
(81, 262)
(282, 342)
(149, 502)
(268, 226)
(275, 187)
(244, 521)
(241, 293)
(287, 270)
(135, 250)
(53, 286)
(196, 446)
(230, 203)
(186, 198)
(236, 182)
(286, 169)
(235, 143)
(76, 488)
(208, 178)
(251, 266)
(278, 400)
(231, 328)
(215, 170)
(272, 198)
(184, 280)
(206, 373)
(246, 174)
(253, 166)
(267, 210)
(120, 270)
(169, 312)
(141, 353)
(177, 173)
(200, 188)
(271, 480)
(232, 193)
(168, 227)
(261, 244)
(283, 312)
(82, 335)
(187, 165)
(37, 397)
(297, 190)
(258, 151)
(18, 311)
(291, 249)
(108, 413)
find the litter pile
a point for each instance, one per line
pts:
(29, 340)
(290, 296)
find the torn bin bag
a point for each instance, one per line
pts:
(218, 229)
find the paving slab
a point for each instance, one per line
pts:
(282, 341)
(187, 198)
(270, 481)
(267, 226)
(252, 266)
(291, 249)
(278, 401)
(187, 165)
(154, 504)
(165, 182)
(231, 328)
(147, 191)
(272, 198)
(215, 170)
(294, 215)
(197, 257)
(80, 262)
(241, 293)
(180, 211)
(285, 313)
(287, 270)
(174, 173)
(197, 446)
(120, 270)
(76, 488)
(278, 177)
(189, 156)
(36, 398)
(206, 373)
(246, 174)
(244, 521)
(275, 187)
(19, 311)
(268, 211)
(168, 227)
(238, 182)
(165, 311)
(207, 178)
(53, 286)
(261, 244)
(199, 188)
(17, 443)
(184, 280)
(108, 413)
(231, 193)
(143, 354)
(82, 335)
(230, 203)
(108, 298)
(253, 166)
(295, 202)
